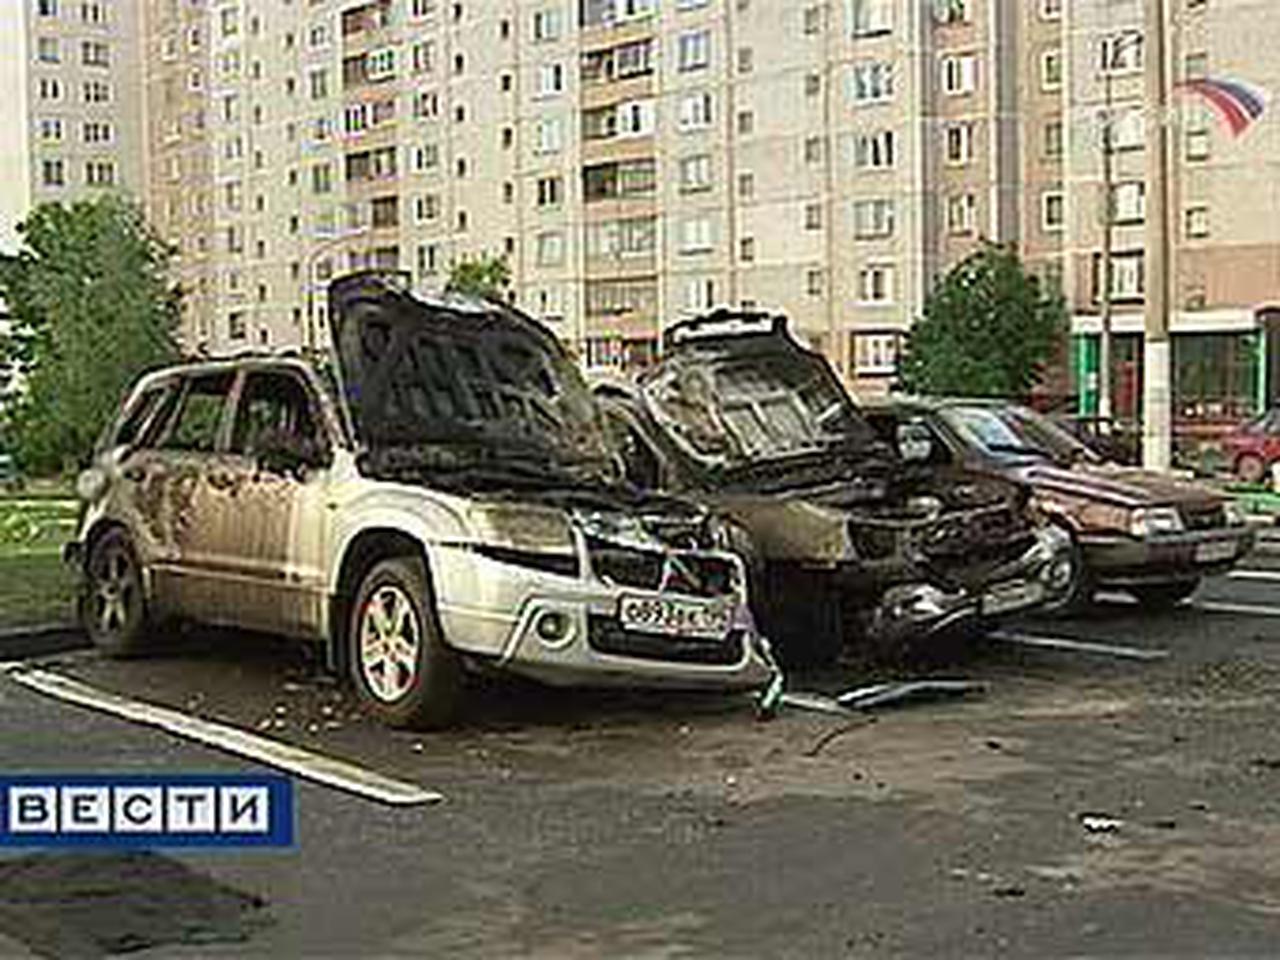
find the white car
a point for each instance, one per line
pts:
(443, 495)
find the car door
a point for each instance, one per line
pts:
(174, 485)
(269, 512)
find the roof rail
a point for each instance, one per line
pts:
(724, 322)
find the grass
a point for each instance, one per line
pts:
(35, 587)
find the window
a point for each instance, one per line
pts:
(746, 185)
(1197, 222)
(876, 354)
(959, 73)
(746, 60)
(693, 51)
(426, 208)
(1129, 129)
(813, 216)
(271, 405)
(746, 123)
(812, 20)
(695, 173)
(199, 417)
(47, 50)
(1197, 137)
(873, 218)
(1122, 52)
(874, 151)
(380, 64)
(1053, 211)
(812, 84)
(636, 118)
(872, 17)
(695, 111)
(1052, 139)
(815, 282)
(695, 235)
(51, 128)
(959, 143)
(47, 8)
(50, 89)
(700, 293)
(319, 81)
(747, 249)
(872, 81)
(813, 151)
(952, 11)
(962, 214)
(549, 135)
(550, 79)
(875, 283)
(1129, 202)
(1050, 9)
(547, 24)
(1196, 66)
(1051, 70)
(96, 91)
(549, 248)
(550, 191)
(52, 173)
(1127, 275)
(634, 236)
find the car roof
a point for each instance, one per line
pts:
(932, 403)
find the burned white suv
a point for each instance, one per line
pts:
(442, 495)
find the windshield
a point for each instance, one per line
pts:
(471, 384)
(756, 408)
(1015, 432)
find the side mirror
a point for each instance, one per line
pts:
(285, 453)
(914, 442)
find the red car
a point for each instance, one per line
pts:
(1254, 446)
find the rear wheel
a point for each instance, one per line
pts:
(400, 665)
(114, 608)
(1159, 596)
(1251, 468)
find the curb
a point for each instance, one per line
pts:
(41, 639)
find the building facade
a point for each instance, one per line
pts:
(73, 117)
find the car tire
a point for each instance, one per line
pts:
(1161, 596)
(113, 609)
(401, 667)
(1079, 595)
(1251, 469)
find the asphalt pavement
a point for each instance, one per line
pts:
(1085, 804)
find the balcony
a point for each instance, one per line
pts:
(635, 179)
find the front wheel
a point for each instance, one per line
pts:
(1080, 586)
(114, 608)
(1251, 469)
(402, 668)
(1159, 596)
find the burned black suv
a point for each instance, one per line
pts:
(846, 537)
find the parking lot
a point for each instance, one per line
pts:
(1096, 800)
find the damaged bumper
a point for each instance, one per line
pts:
(581, 630)
(1041, 575)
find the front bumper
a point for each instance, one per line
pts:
(1119, 560)
(494, 609)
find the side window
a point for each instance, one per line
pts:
(140, 422)
(272, 405)
(200, 414)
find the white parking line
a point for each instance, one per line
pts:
(273, 753)
(1254, 574)
(1246, 609)
(1078, 646)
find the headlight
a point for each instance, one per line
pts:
(1155, 521)
(1235, 516)
(520, 527)
(91, 484)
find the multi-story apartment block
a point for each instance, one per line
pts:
(73, 107)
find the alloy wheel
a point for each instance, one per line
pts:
(390, 641)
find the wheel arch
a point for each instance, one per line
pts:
(365, 549)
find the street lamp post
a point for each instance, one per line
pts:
(309, 262)
(1157, 420)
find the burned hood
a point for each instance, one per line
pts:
(1119, 486)
(753, 401)
(457, 379)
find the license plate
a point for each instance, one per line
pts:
(1216, 551)
(675, 617)
(1012, 596)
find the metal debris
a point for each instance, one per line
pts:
(1077, 646)
(1100, 823)
(884, 694)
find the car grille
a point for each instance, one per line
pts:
(1204, 518)
(606, 635)
(691, 574)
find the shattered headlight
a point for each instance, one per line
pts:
(1155, 521)
(521, 527)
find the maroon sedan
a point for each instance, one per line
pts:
(1254, 446)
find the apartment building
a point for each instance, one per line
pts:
(1224, 216)
(72, 116)
(638, 160)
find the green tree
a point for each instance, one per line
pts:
(91, 309)
(486, 276)
(989, 330)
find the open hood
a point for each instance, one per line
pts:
(457, 380)
(736, 392)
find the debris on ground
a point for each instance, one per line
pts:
(1076, 646)
(836, 733)
(885, 694)
(1100, 823)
